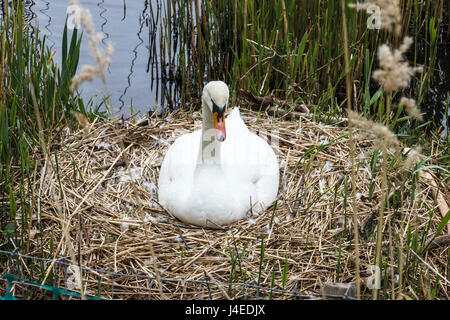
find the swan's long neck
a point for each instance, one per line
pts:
(209, 152)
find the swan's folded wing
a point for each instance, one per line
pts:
(178, 164)
(267, 174)
(253, 161)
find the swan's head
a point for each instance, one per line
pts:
(215, 97)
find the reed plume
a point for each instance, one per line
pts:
(102, 57)
(389, 13)
(394, 73)
(411, 108)
(382, 133)
(414, 156)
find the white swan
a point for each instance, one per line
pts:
(219, 174)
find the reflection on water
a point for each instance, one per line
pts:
(46, 21)
(105, 21)
(131, 77)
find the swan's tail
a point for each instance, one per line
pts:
(235, 113)
(234, 121)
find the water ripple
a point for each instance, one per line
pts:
(142, 21)
(49, 32)
(105, 21)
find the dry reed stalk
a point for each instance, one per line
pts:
(352, 148)
(400, 273)
(2, 78)
(117, 203)
(245, 22)
(199, 33)
(383, 205)
(286, 32)
(235, 22)
(67, 221)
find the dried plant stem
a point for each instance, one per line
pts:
(286, 32)
(378, 261)
(147, 236)
(5, 7)
(430, 267)
(186, 255)
(155, 265)
(198, 19)
(388, 109)
(391, 257)
(384, 200)
(72, 256)
(47, 157)
(352, 152)
(83, 200)
(400, 266)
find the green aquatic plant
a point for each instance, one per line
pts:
(35, 104)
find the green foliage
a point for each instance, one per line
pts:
(27, 64)
(292, 49)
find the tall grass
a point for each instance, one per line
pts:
(29, 72)
(288, 48)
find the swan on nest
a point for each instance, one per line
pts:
(220, 173)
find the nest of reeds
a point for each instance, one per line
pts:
(97, 198)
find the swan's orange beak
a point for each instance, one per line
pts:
(219, 126)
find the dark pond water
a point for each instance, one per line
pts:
(438, 98)
(133, 77)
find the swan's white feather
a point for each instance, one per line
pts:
(246, 180)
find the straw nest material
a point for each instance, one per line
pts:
(97, 195)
